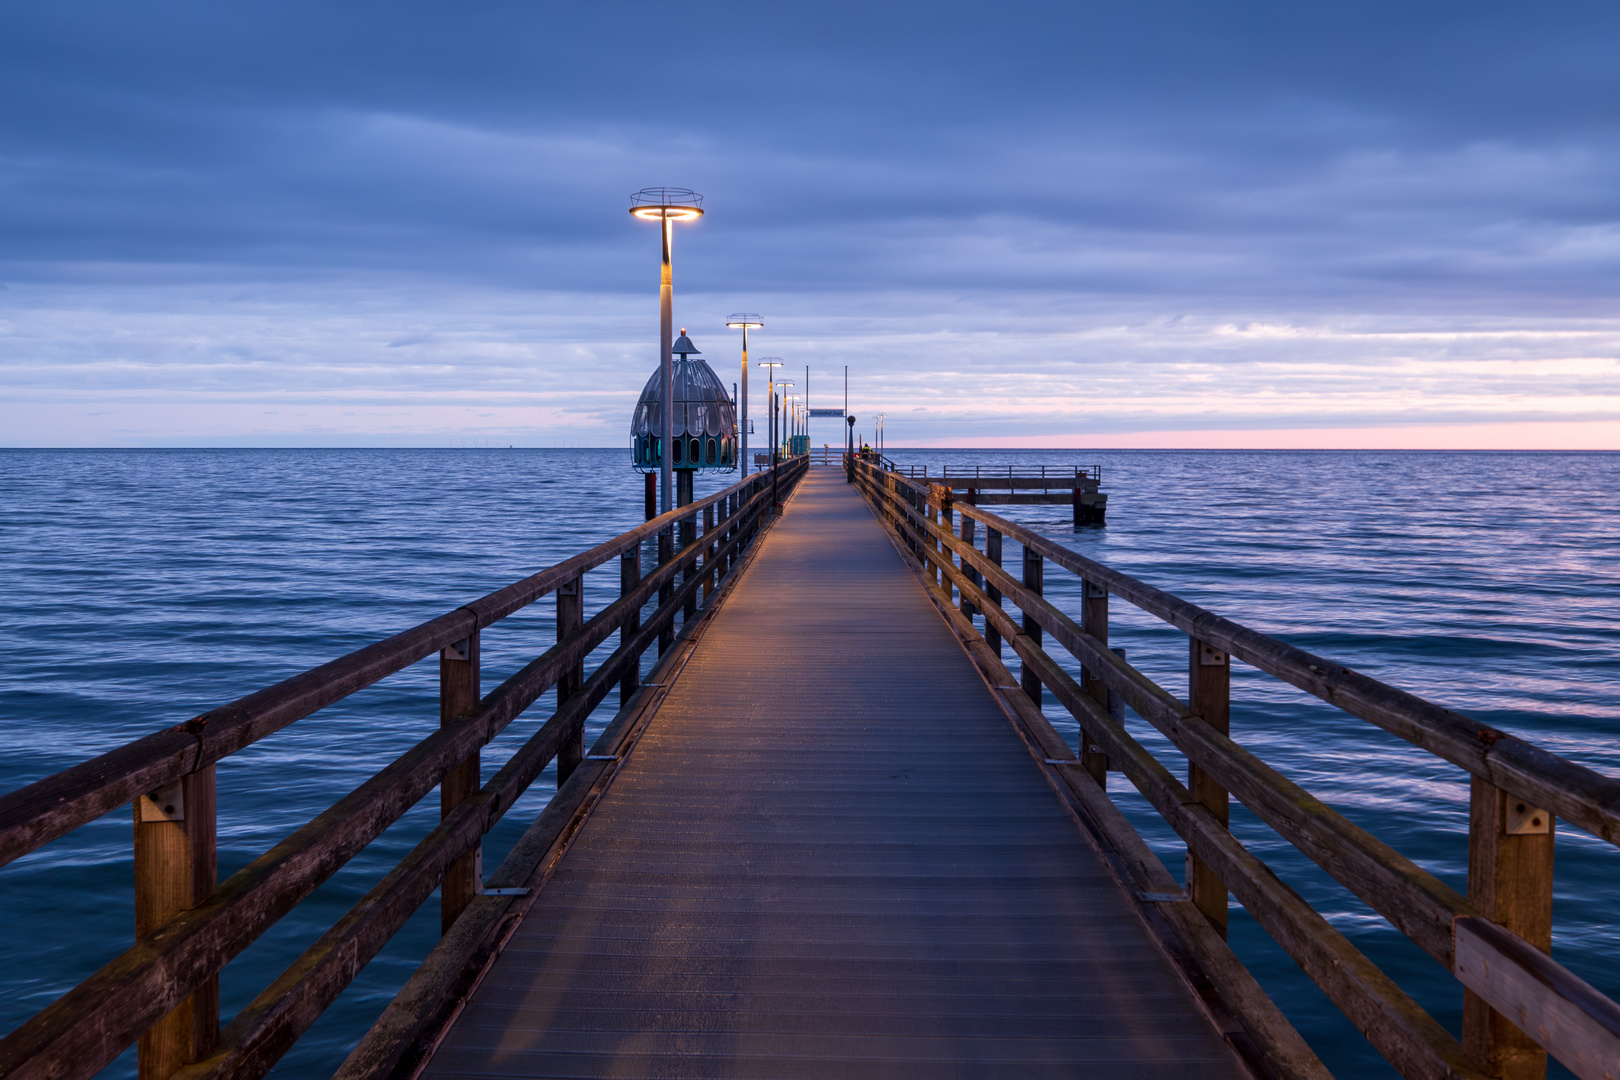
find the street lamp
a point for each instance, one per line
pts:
(744, 321)
(782, 386)
(790, 405)
(880, 417)
(666, 205)
(770, 364)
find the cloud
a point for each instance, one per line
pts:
(1163, 214)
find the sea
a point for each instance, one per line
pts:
(139, 588)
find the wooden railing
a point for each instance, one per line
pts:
(163, 991)
(1495, 940)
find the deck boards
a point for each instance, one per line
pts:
(830, 856)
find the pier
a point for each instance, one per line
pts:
(832, 832)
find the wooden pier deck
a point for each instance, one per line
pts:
(831, 855)
(835, 836)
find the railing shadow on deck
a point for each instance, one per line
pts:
(1519, 1002)
(163, 991)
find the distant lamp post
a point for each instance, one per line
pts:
(771, 363)
(666, 205)
(781, 425)
(880, 417)
(744, 321)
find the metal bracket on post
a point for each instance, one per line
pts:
(1209, 656)
(457, 650)
(164, 804)
(1094, 592)
(1526, 820)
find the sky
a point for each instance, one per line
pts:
(1162, 223)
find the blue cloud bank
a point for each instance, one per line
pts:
(406, 222)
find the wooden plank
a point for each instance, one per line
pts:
(55, 805)
(1209, 696)
(1413, 1041)
(459, 691)
(1565, 1014)
(1419, 904)
(1510, 881)
(263, 1031)
(1094, 621)
(1573, 792)
(1273, 1047)
(787, 832)
(570, 617)
(176, 868)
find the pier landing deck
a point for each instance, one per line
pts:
(831, 855)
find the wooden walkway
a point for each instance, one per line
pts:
(831, 856)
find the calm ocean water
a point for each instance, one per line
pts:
(144, 587)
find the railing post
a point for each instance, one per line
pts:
(459, 690)
(710, 547)
(947, 521)
(689, 558)
(968, 529)
(629, 578)
(1209, 686)
(570, 617)
(666, 552)
(1094, 621)
(992, 551)
(1510, 880)
(1034, 581)
(176, 870)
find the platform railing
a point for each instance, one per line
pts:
(163, 991)
(1519, 1002)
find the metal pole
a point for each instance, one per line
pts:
(666, 368)
(776, 499)
(743, 401)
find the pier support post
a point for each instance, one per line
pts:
(629, 578)
(458, 695)
(1034, 581)
(176, 870)
(1209, 685)
(968, 528)
(1510, 880)
(689, 558)
(992, 551)
(711, 572)
(570, 617)
(1094, 621)
(666, 551)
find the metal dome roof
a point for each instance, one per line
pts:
(703, 411)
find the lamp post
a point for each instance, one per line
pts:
(770, 364)
(744, 321)
(880, 417)
(781, 427)
(666, 205)
(790, 403)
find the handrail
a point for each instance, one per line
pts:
(86, 1028)
(1569, 1018)
(1574, 792)
(57, 804)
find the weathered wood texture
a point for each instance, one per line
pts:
(459, 691)
(831, 855)
(181, 947)
(1571, 791)
(176, 868)
(51, 807)
(1517, 996)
